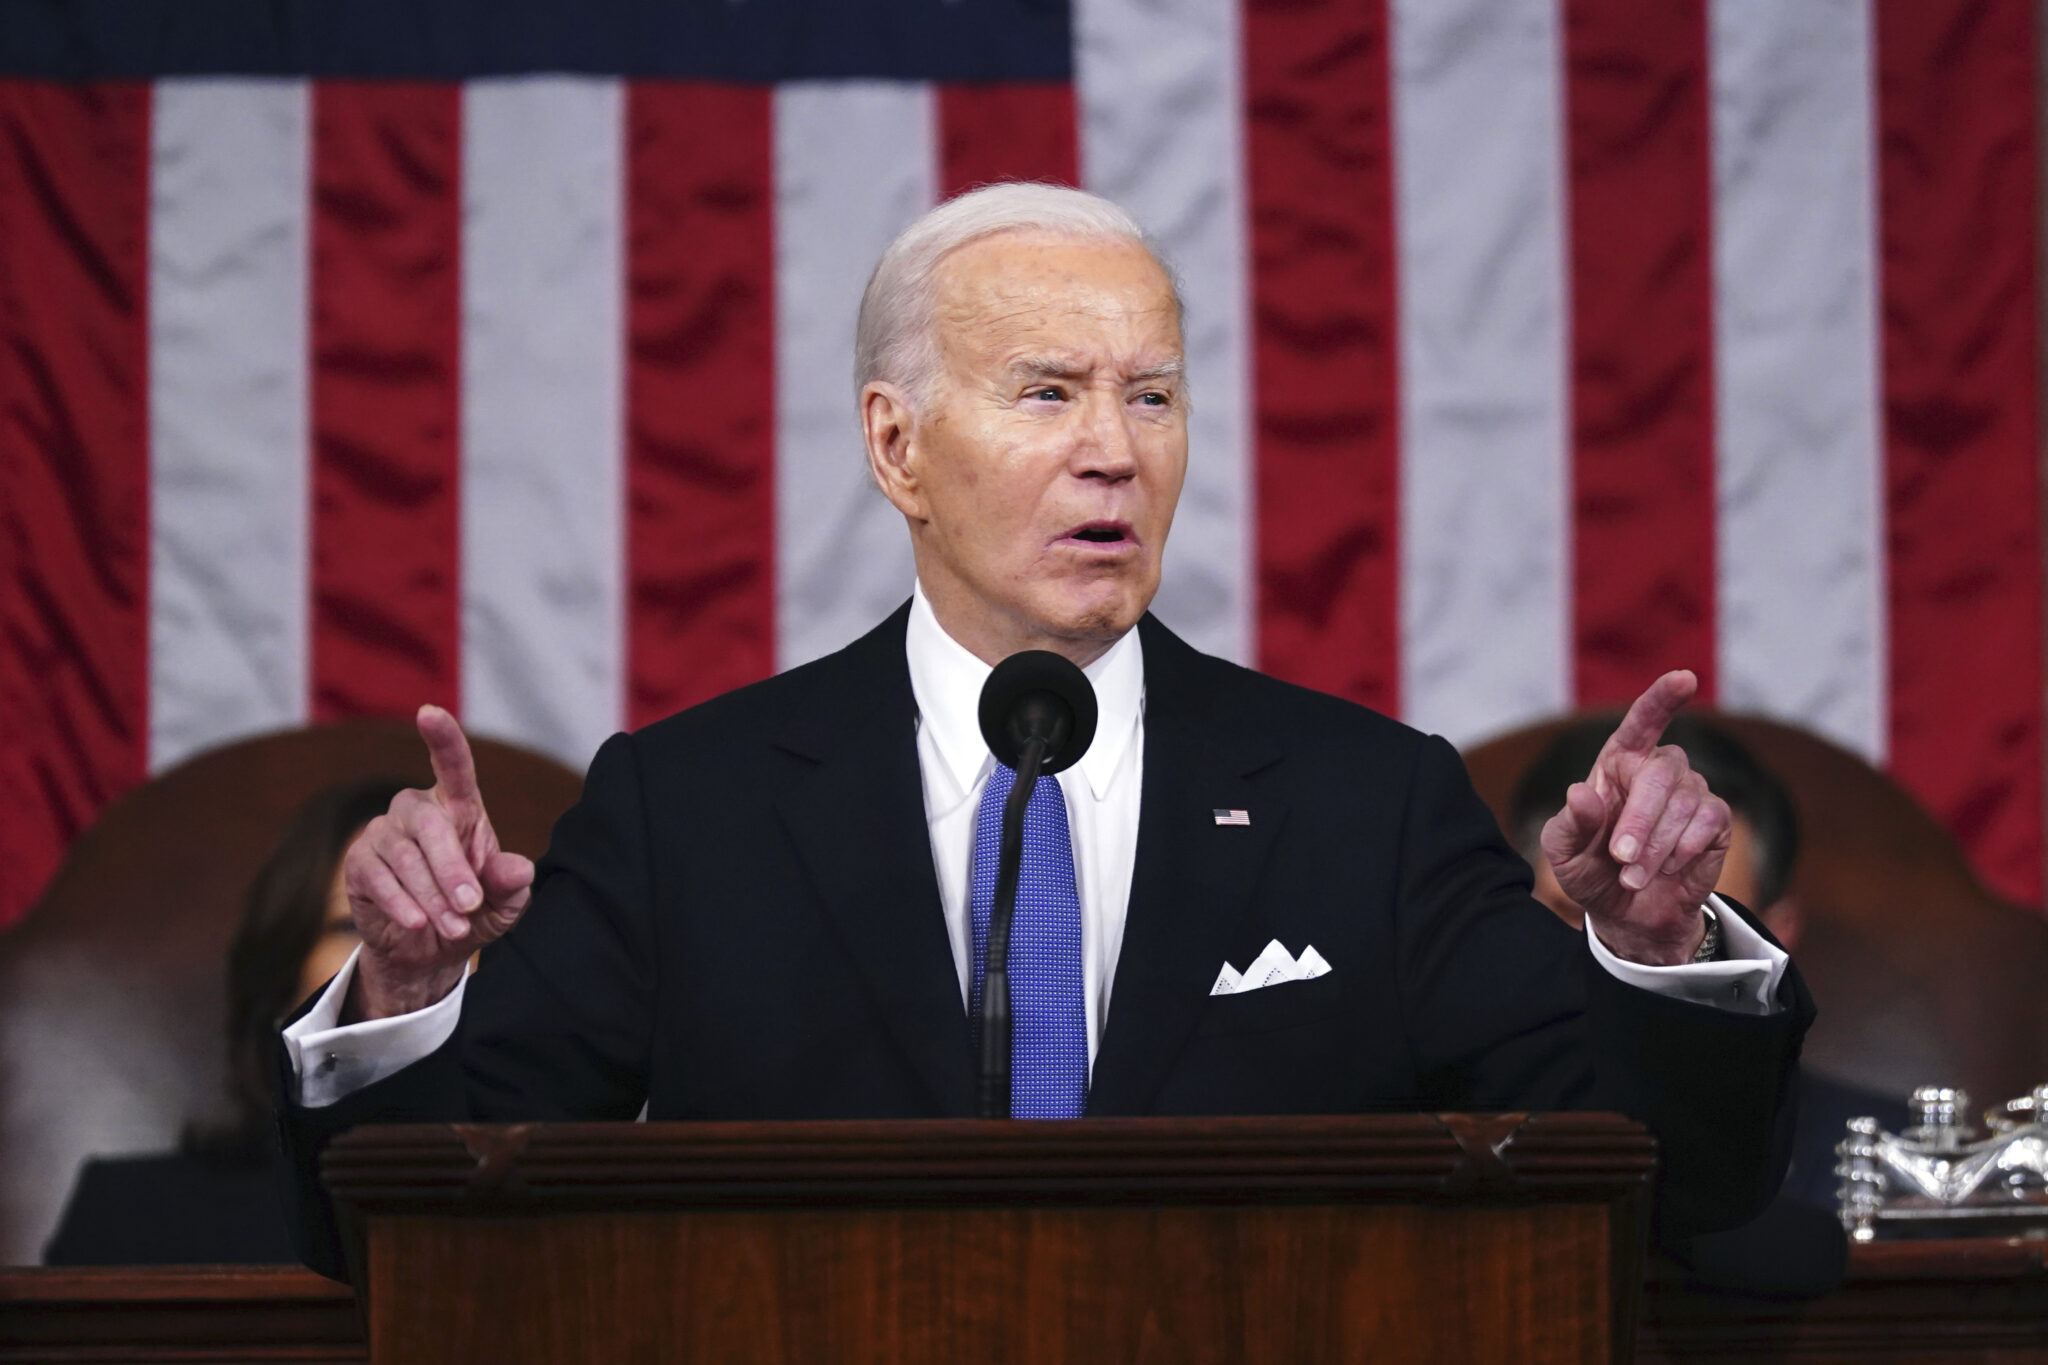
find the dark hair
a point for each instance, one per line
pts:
(1733, 773)
(284, 913)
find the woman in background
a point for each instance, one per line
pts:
(214, 1200)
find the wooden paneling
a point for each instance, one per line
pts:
(224, 1315)
(1001, 1286)
(1285, 1240)
(1905, 1303)
(1931, 1303)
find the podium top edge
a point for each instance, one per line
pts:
(1138, 1160)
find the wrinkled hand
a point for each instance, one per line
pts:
(1639, 844)
(428, 883)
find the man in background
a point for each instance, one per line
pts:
(1797, 1245)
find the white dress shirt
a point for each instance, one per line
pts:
(1102, 792)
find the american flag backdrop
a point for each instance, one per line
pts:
(353, 356)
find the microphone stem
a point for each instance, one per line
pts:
(993, 1082)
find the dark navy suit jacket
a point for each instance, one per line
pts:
(740, 920)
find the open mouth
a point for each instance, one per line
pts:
(1102, 533)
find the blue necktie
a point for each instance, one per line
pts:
(1049, 1030)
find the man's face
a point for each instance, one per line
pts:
(1040, 474)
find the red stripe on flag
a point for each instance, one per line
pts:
(1957, 187)
(386, 395)
(1642, 384)
(1012, 131)
(1319, 151)
(74, 477)
(700, 393)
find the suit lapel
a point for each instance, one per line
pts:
(855, 811)
(1192, 884)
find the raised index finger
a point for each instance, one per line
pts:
(454, 769)
(1644, 724)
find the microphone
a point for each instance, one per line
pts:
(1038, 717)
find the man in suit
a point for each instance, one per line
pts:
(767, 906)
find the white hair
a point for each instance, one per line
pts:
(894, 343)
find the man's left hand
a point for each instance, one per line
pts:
(1640, 842)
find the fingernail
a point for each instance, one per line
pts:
(1635, 877)
(1625, 849)
(465, 896)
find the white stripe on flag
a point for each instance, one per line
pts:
(227, 412)
(855, 163)
(542, 397)
(1799, 464)
(1160, 113)
(1485, 474)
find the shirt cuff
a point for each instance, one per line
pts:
(1744, 981)
(347, 1057)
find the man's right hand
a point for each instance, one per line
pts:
(428, 884)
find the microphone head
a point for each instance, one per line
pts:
(1036, 692)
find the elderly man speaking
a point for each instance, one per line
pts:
(1245, 898)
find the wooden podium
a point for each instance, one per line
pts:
(1391, 1238)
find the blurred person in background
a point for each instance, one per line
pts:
(1797, 1246)
(214, 1200)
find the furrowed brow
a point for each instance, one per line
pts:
(1166, 369)
(1052, 367)
(1047, 367)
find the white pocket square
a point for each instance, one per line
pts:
(1271, 967)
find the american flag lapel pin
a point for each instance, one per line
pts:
(1234, 817)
